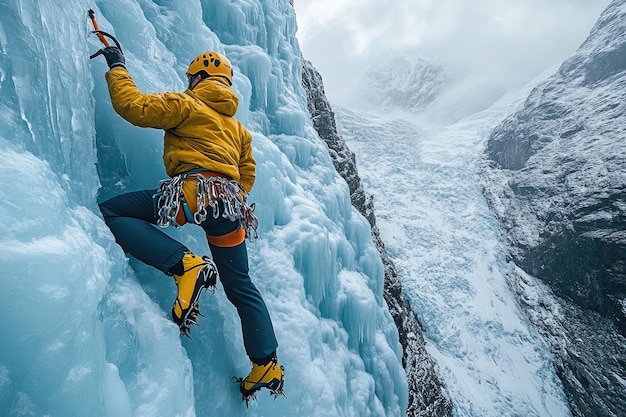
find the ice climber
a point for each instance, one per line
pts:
(208, 157)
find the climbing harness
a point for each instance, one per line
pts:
(212, 191)
(101, 35)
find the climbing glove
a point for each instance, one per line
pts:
(114, 56)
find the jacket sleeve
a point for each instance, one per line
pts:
(159, 111)
(247, 164)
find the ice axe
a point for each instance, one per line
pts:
(101, 35)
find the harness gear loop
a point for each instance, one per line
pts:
(212, 190)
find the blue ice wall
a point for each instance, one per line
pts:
(87, 332)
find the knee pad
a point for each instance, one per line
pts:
(229, 240)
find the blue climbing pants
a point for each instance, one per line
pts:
(132, 218)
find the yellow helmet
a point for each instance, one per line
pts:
(214, 64)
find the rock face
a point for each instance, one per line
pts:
(556, 179)
(404, 82)
(426, 397)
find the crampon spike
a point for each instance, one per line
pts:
(185, 332)
(197, 312)
(191, 318)
(275, 390)
(245, 398)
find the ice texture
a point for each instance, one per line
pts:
(86, 331)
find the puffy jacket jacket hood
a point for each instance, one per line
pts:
(217, 95)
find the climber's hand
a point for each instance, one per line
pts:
(113, 55)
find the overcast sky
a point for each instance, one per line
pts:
(502, 42)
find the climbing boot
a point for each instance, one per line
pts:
(270, 376)
(199, 274)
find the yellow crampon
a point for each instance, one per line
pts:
(199, 274)
(270, 376)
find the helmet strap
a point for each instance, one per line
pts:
(194, 80)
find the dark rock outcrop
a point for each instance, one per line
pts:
(563, 156)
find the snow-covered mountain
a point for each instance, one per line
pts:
(556, 179)
(563, 158)
(402, 81)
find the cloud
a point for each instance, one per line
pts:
(505, 42)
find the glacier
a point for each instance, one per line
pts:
(445, 242)
(87, 331)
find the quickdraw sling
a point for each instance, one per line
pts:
(212, 193)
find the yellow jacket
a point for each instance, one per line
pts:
(200, 130)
